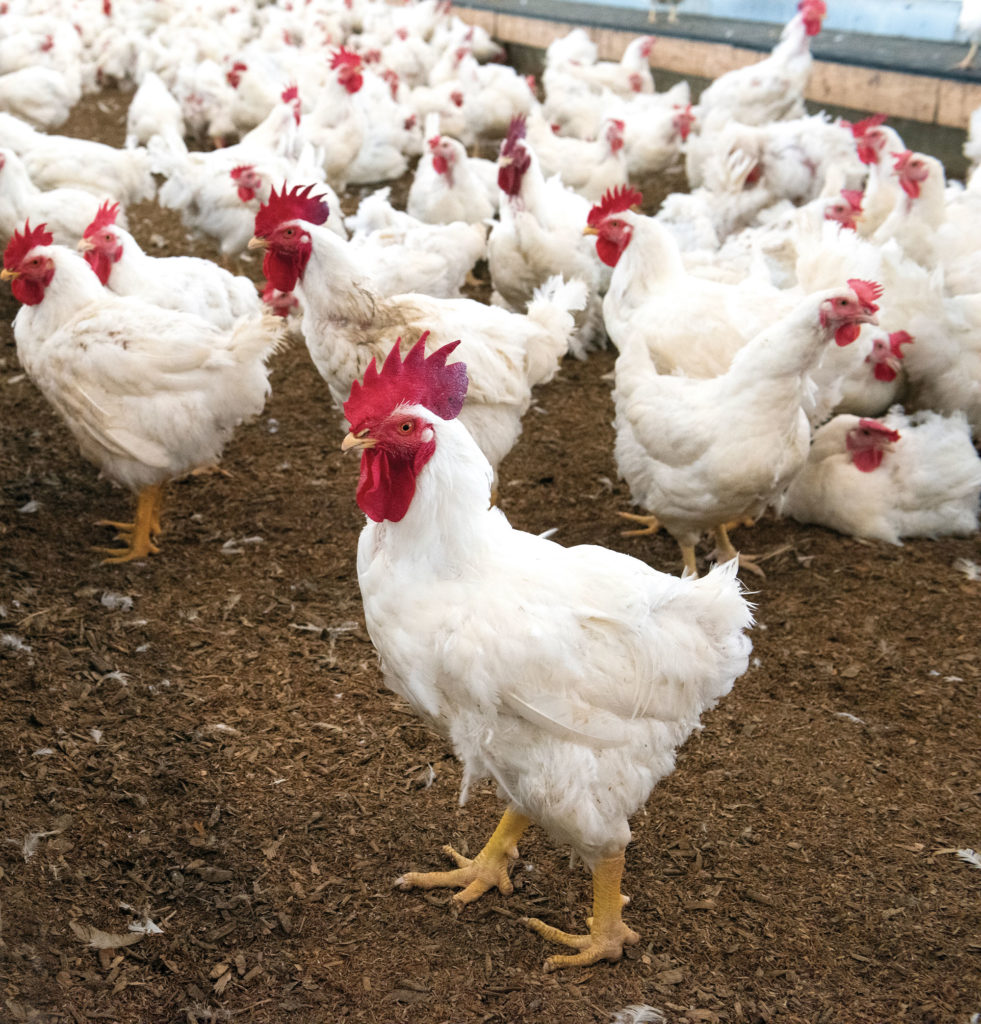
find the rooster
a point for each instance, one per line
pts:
(569, 676)
(149, 394)
(185, 283)
(539, 234)
(700, 454)
(346, 323)
(903, 476)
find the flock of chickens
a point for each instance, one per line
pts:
(767, 324)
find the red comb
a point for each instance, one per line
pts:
(105, 217)
(867, 292)
(297, 204)
(21, 244)
(878, 428)
(902, 159)
(517, 129)
(415, 380)
(854, 198)
(616, 200)
(290, 93)
(897, 339)
(345, 58)
(860, 128)
(237, 172)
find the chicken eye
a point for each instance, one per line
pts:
(406, 427)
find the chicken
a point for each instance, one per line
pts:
(66, 211)
(44, 96)
(627, 77)
(772, 89)
(346, 323)
(402, 254)
(57, 161)
(149, 394)
(449, 185)
(185, 283)
(589, 167)
(568, 676)
(699, 454)
(155, 114)
(653, 297)
(969, 22)
(539, 234)
(903, 476)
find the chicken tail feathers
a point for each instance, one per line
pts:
(257, 337)
(551, 308)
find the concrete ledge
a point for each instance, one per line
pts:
(941, 100)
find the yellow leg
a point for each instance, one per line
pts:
(724, 551)
(651, 524)
(607, 932)
(138, 535)
(972, 52)
(488, 870)
(688, 554)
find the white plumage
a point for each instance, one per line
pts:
(567, 676)
(927, 484)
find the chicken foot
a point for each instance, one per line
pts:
(488, 870)
(651, 524)
(138, 536)
(964, 64)
(607, 932)
(724, 551)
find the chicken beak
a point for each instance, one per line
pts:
(8, 275)
(867, 318)
(589, 230)
(85, 245)
(257, 243)
(361, 441)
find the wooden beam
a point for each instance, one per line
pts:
(924, 98)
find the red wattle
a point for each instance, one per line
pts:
(867, 459)
(609, 252)
(847, 333)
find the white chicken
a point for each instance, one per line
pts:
(700, 454)
(66, 211)
(57, 161)
(772, 89)
(149, 394)
(539, 234)
(346, 323)
(903, 476)
(184, 283)
(44, 96)
(568, 676)
(629, 76)
(688, 323)
(449, 185)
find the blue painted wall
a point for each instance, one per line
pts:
(935, 20)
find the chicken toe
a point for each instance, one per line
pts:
(138, 536)
(488, 870)
(607, 933)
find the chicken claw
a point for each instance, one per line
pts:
(138, 537)
(651, 524)
(488, 870)
(607, 932)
